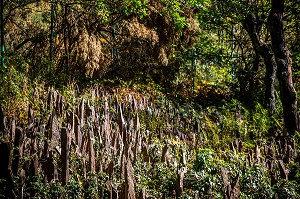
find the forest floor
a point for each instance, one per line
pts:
(120, 142)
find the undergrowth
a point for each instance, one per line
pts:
(211, 131)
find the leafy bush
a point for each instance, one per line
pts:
(206, 168)
(287, 189)
(255, 182)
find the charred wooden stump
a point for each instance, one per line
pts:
(50, 169)
(91, 151)
(113, 193)
(18, 149)
(142, 194)
(2, 123)
(65, 155)
(179, 181)
(283, 170)
(234, 189)
(5, 170)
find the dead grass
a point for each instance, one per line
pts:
(139, 30)
(91, 54)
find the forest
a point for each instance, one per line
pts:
(146, 99)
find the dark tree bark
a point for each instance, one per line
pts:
(253, 25)
(287, 91)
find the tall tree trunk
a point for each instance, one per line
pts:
(271, 68)
(287, 91)
(253, 25)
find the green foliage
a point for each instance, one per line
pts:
(36, 187)
(90, 187)
(15, 92)
(174, 10)
(56, 190)
(137, 7)
(159, 180)
(209, 59)
(287, 189)
(2, 188)
(203, 160)
(294, 175)
(206, 168)
(74, 189)
(255, 182)
(103, 11)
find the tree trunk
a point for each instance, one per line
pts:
(271, 68)
(287, 91)
(253, 25)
